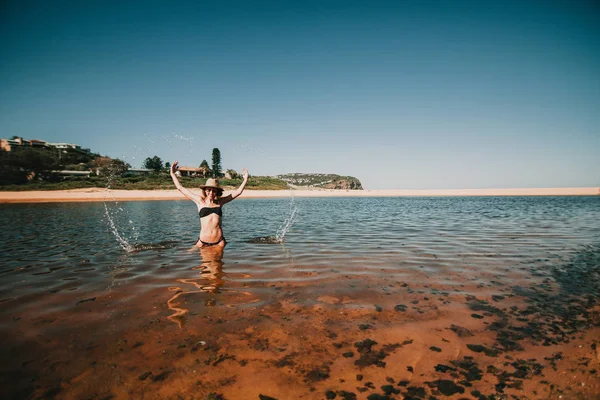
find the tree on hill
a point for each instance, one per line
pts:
(154, 163)
(167, 165)
(106, 166)
(216, 162)
(205, 169)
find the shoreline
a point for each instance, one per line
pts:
(99, 194)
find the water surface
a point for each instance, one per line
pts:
(104, 299)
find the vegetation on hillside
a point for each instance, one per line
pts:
(145, 182)
(28, 168)
(23, 165)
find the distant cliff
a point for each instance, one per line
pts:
(322, 181)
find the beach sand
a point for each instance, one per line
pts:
(99, 194)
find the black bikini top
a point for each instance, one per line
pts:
(204, 211)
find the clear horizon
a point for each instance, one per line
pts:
(427, 95)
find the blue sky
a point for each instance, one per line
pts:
(401, 94)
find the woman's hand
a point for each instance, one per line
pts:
(174, 166)
(239, 190)
(187, 193)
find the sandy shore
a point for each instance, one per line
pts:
(98, 194)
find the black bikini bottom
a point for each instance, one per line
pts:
(206, 244)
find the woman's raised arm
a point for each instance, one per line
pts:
(186, 192)
(239, 190)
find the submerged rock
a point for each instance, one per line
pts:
(446, 387)
(266, 240)
(167, 244)
(265, 397)
(477, 348)
(460, 331)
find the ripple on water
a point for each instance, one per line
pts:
(354, 268)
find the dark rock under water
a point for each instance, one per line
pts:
(167, 244)
(266, 240)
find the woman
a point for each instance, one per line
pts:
(209, 203)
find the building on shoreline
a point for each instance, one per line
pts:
(192, 172)
(18, 142)
(68, 173)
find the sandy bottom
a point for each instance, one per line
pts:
(99, 194)
(215, 335)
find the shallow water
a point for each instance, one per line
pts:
(104, 300)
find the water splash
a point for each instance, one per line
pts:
(111, 217)
(171, 145)
(120, 225)
(181, 137)
(283, 229)
(114, 217)
(289, 221)
(287, 224)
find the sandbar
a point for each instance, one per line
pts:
(100, 194)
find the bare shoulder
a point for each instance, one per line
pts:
(197, 198)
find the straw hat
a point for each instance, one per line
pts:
(211, 183)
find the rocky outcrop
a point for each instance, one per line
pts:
(348, 184)
(322, 181)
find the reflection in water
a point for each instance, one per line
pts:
(211, 269)
(209, 281)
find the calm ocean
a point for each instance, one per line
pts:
(106, 269)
